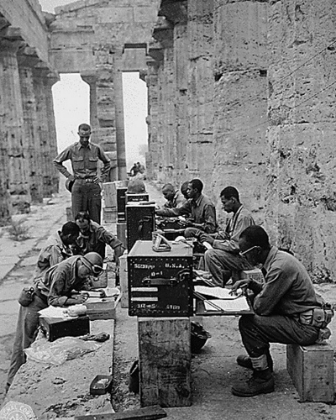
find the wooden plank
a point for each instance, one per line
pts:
(164, 361)
(147, 413)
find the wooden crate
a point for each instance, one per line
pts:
(104, 309)
(110, 214)
(164, 360)
(110, 194)
(123, 275)
(312, 371)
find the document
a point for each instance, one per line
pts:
(236, 305)
(217, 292)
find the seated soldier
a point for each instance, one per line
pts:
(57, 248)
(224, 259)
(173, 196)
(286, 309)
(94, 238)
(200, 210)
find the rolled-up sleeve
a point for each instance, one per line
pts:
(210, 225)
(58, 162)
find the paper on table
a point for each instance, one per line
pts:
(55, 312)
(236, 305)
(217, 292)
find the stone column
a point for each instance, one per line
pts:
(13, 125)
(105, 132)
(163, 33)
(240, 100)
(302, 131)
(91, 80)
(152, 162)
(49, 80)
(119, 110)
(176, 13)
(46, 137)
(201, 91)
(27, 59)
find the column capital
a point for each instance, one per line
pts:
(11, 39)
(90, 77)
(27, 57)
(155, 51)
(164, 32)
(176, 11)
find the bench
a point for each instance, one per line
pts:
(311, 369)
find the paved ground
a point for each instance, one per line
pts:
(213, 370)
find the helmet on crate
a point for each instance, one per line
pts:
(136, 186)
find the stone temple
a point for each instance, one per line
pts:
(240, 93)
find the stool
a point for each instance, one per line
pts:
(312, 371)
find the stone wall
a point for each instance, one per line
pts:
(259, 90)
(302, 129)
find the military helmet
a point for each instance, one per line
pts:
(95, 262)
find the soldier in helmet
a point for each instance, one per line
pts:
(58, 286)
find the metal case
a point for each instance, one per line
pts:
(57, 328)
(160, 283)
(140, 222)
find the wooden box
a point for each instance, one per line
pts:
(110, 194)
(164, 362)
(110, 214)
(123, 273)
(312, 371)
(104, 308)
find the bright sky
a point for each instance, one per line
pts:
(71, 105)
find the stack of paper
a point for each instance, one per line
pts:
(235, 305)
(217, 292)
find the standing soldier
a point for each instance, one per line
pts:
(84, 183)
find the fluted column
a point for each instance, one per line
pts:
(13, 125)
(302, 131)
(47, 139)
(152, 161)
(200, 90)
(50, 79)
(119, 109)
(105, 131)
(176, 13)
(240, 99)
(163, 33)
(27, 59)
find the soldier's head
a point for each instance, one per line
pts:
(195, 187)
(168, 191)
(230, 199)
(91, 264)
(84, 132)
(254, 244)
(82, 220)
(69, 233)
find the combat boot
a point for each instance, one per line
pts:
(261, 382)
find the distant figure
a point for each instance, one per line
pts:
(84, 156)
(141, 168)
(134, 170)
(173, 196)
